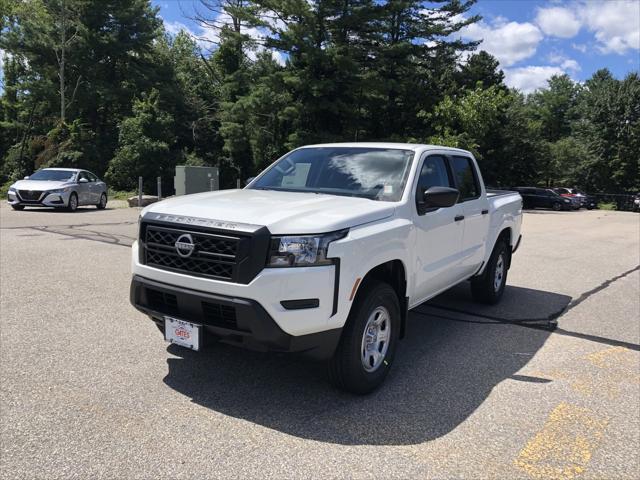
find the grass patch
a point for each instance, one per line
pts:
(607, 206)
(120, 195)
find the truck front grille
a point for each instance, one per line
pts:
(212, 255)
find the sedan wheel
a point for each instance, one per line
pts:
(73, 203)
(557, 207)
(103, 202)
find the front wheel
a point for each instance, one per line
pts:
(369, 339)
(489, 287)
(103, 202)
(557, 207)
(73, 202)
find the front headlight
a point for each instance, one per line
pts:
(567, 201)
(302, 250)
(60, 190)
(12, 190)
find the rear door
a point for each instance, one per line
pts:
(439, 232)
(475, 208)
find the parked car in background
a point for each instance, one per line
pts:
(581, 199)
(58, 188)
(636, 203)
(533, 197)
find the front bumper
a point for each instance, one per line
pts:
(47, 199)
(239, 321)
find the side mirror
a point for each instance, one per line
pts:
(27, 177)
(249, 180)
(439, 197)
(83, 180)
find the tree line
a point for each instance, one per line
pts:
(100, 84)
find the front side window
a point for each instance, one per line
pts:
(434, 173)
(465, 174)
(374, 173)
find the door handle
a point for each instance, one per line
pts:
(484, 212)
(459, 217)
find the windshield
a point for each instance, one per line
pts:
(53, 175)
(375, 173)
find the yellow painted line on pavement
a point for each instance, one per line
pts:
(611, 357)
(563, 447)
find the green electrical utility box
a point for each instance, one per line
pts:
(195, 179)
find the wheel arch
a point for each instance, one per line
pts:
(394, 273)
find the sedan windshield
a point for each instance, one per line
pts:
(375, 173)
(53, 175)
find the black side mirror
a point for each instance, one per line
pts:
(248, 180)
(438, 197)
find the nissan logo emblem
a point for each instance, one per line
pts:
(184, 245)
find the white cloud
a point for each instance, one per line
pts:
(615, 24)
(509, 42)
(174, 28)
(531, 78)
(558, 22)
(581, 47)
(566, 63)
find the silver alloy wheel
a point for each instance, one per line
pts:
(375, 339)
(499, 274)
(73, 202)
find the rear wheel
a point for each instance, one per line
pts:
(103, 202)
(489, 287)
(17, 207)
(367, 347)
(73, 202)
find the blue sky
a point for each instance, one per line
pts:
(533, 39)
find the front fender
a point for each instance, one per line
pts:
(363, 249)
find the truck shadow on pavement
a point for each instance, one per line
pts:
(445, 368)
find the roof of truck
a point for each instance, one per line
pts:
(389, 145)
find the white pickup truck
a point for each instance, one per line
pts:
(325, 252)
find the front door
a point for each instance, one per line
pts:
(84, 189)
(438, 234)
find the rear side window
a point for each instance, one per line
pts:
(434, 173)
(466, 177)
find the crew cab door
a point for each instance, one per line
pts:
(475, 208)
(439, 233)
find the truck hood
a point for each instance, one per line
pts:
(280, 212)
(39, 184)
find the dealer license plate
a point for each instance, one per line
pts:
(182, 333)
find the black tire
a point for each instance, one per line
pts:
(73, 205)
(17, 207)
(557, 207)
(103, 202)
(485, 288)
(346, 369)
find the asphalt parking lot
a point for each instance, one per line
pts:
(89, 389)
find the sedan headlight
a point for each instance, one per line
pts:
(60, 190)
(302, 250)
(12, 190)
(567, 201)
